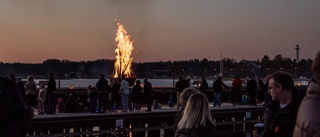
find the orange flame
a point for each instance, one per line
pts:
(123, 51)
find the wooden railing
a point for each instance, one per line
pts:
(155, 123)
(161, 94)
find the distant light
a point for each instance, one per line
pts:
(71, 87)
(299, 84)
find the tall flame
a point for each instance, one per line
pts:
(123, 51)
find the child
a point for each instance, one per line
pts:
(41, 99)
(60, 106)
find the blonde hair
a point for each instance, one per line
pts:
(196, 113)
(185, 95)
(315, 67)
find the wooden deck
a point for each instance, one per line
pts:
(158, 122)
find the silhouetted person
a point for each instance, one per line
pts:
(260, 91)
(187, 83)
(235, 91)
(116, 95)
(14, 115)
(204, 86)
(217, 87)
(22, 89)
(147, 90)
(179, 87)
(137, 95)
(103, 90)
(72, 104)
(92, 99)
(251, 88)
(51, 98)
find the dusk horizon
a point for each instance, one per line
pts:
(271, 58)
(34, 31)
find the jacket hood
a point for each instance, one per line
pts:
(314, 88)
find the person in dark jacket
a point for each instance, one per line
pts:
(103, 90)
(51, 99)
(179, 87)
(217, 87)
(260, 91)
(136, 95)
(280, 115)
(14, 115)
(196, 120)
(308, 118)
(251, 88)
(92, 98)
(115, 95)
(22, 89)
(204, 86)
(147, 90)
(72, 104)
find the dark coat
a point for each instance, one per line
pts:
(22, 90)
(71, 104)
(103, 89)
(177, 118)
(217, 85)
(280, 122)
(102, 85)
(51, 86)
(252, 85)
(308, 118)
(203, 131)
(180, 85)
(204, 85)
(147, 89)
(136, 94)
(14, 116)
(115, 91)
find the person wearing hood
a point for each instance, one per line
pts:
(308, 120)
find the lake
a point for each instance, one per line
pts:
(154, 82)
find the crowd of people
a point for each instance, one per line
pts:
(255, 93)
(286, 115)
(113, 96)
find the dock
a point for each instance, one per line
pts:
(158, 122)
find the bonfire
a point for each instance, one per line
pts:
(123, 63)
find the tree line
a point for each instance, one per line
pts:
(193, 68)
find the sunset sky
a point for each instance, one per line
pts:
(32, 31)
